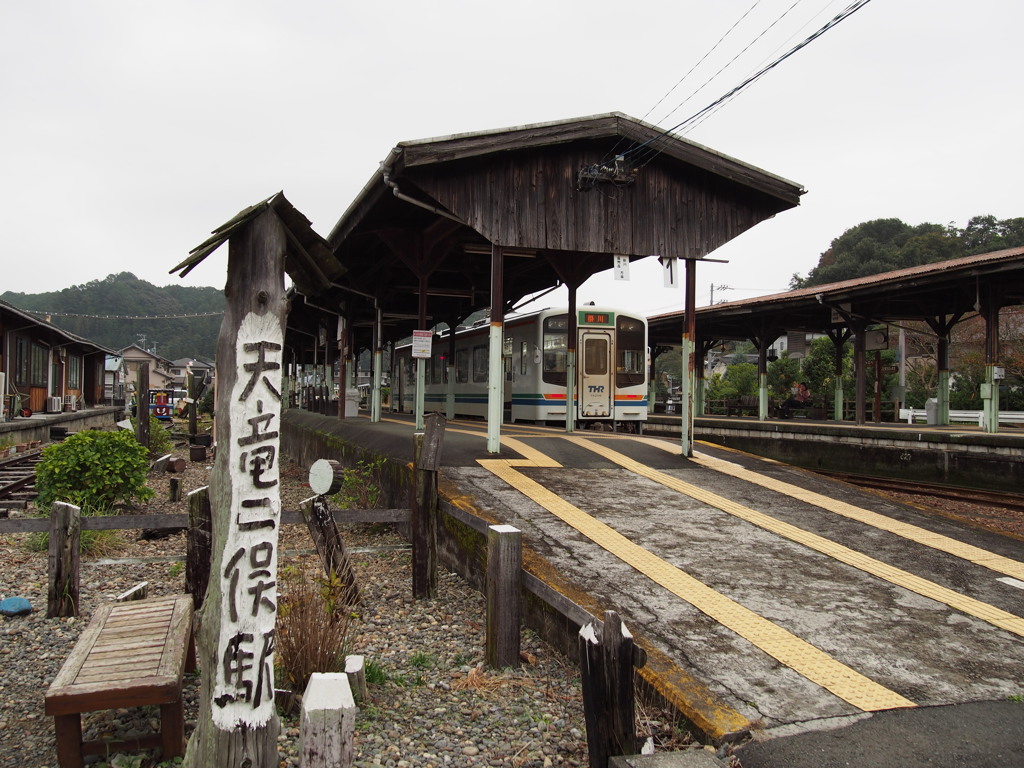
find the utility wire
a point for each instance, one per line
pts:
(687, 124)
(122, 317)
(746, 48)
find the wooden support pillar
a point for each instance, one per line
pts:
(236, 715)
(427, 462)
(606, 664)
(193, 406)
(198, 542)
(328, 722)
(504, 611)
(63, 579)
(142, 407)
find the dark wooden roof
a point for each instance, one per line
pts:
(550, 195)
(309, 262)
(43, 329)
(944, 288)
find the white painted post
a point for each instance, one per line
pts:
(355, 668)
(495, 376)
(328, 722)
(378, 361)
(421, 376)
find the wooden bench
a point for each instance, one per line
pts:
(130, 655)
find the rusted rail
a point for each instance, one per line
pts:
(17, 479)
(1014, 501)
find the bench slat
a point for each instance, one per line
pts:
(93, 676)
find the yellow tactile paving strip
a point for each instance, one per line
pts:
(985, 611)
(787, 648)
(977, 555)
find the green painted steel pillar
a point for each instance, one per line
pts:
(495, 403)
(378, 363)
(421, 370)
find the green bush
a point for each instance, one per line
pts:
(160, 443)
(93, 470)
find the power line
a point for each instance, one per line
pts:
(686, 124)
(123, 317)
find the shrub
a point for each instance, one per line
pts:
(159, 439)
(312, 626)
(93, 470)
(360, 485)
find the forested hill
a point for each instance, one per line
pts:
(887, 244)
(104, 305)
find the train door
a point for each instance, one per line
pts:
(596, 375)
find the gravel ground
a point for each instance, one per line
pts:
(433, 704)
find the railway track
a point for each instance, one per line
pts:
(1011, 501)
(17, 480)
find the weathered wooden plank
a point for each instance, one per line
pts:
(198, 542)
(328, 541)
(63, 560)
(159, 522)
(504, 566)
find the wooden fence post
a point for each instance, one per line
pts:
(174, 489)
(63, 583)
(504, 569)
(606, 664)
(198, 545)
(142, 406)
(328, 722)
(324, 530)
(427, 461)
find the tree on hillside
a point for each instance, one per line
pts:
(105, 304)
(883, 245)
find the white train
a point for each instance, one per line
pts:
(611, 368)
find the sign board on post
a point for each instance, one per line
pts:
(670, 270)
(421, 343)
(620, 266)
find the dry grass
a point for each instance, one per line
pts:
(313, 622)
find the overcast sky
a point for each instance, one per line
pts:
(130, 129)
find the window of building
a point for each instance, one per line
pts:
(74, 372)
(22, 361)
(40, 356)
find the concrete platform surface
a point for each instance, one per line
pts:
(778, 602)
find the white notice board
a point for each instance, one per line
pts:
(421, 343)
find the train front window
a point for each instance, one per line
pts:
(630, 356)
(556, 342)
(595, 357)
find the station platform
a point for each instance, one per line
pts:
(777, 606)
(958, 454)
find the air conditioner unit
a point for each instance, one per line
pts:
(53, 405)
(69, 403)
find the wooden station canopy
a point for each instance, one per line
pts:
(932, 293)
(559, 199)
